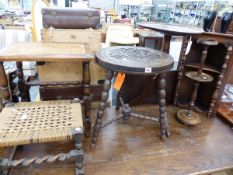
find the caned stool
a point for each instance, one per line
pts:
(139, 61)
(39, 122)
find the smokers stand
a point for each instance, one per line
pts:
(188, 117)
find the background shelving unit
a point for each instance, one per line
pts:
(189, 12)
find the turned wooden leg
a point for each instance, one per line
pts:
(78, 139)
(4, 85)
(215, 97)
(180, 68)
(102, 106)
(24, 91)
(193, 99)
(166, 43)
(164, 131)
(87, 98)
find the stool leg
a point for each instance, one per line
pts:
(78, 139)
(24, 90)
(6, 94)
(164, 132)
(102, 106)
(87, 100)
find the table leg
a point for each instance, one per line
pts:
(86, 98)
(215, 98)
(24, 91)
(181, 67)
(164, 131)
(102, 106)
(166, 43)
(142, 41)
(4, 85)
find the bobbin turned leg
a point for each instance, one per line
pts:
(87, 98)
(78, 138)
(214, 100)
(24, 91)
(164, 131)
(180, 68)
(102, 106)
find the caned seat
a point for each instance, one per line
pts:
(39, 122)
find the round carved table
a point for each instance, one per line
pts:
(133, 60)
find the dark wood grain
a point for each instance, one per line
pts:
(164, 130)
(24, 91)
(87, 98)
(133, 149)
(216, 94)
(166, 43)
(102, 106)
(172, 29)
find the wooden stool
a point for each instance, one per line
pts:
(39, 122)
(188, 117)
(156, 37)
(133, 60)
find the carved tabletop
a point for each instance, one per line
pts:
(172, 29)
(134, 60)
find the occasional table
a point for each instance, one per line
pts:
(133, 60)
(170, 30)
(49, 52)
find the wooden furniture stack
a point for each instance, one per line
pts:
(69, 72)
(218, 64)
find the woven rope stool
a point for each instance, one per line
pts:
(40, 122)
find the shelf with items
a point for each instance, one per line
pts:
(190, 12)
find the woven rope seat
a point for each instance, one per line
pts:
(37, 122)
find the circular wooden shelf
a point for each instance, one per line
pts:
(204, 78)
(207, 42)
